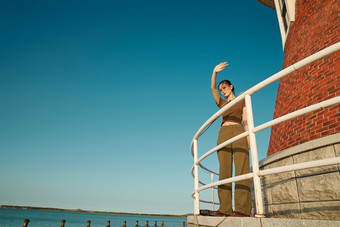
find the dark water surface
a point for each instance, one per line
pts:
(40, 218)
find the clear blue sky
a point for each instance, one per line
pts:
(100, 99)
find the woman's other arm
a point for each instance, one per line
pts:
(245, 122)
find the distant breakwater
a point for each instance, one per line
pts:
(11, 216)
(90, 211)
(88, 224)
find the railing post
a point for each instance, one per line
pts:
(197, 195)
(26, 222)
(212, 193)
(254, 159)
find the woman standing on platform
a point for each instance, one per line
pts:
(239, 150)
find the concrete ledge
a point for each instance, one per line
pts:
(207, 221)
(303, 194)
(310, 145)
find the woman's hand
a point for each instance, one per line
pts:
(220, 67)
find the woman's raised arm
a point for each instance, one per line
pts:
(218, 68)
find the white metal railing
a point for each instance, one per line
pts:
(257, 173)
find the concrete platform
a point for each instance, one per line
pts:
(208, 221)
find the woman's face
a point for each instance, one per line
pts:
(226, 89)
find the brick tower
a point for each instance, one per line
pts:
(306, 28)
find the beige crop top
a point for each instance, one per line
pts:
(234, 114)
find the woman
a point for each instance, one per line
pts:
(239, 150)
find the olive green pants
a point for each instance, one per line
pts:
(239, 151)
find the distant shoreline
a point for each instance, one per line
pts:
(89, 211)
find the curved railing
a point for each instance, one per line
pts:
(256, 173)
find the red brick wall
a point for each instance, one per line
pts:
(316, 26)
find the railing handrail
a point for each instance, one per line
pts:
(323, 53)
(281, 169)
(268, 124)
(256, 174)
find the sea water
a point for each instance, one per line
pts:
(42, 218)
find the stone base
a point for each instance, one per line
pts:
(303, 194)
(206, 221)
